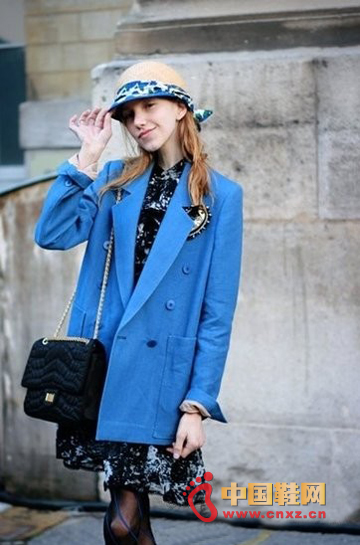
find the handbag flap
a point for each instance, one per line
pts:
(61, 364)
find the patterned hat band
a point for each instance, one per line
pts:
(146, 89)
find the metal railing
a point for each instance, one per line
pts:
(27, 183)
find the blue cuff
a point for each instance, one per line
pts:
(211, 405)
(68, 169)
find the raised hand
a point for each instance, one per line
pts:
(93, 127)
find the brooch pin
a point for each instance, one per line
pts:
(201, 216)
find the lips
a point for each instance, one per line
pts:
(145, 133)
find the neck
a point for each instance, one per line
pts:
(169, 154)
(168, 161)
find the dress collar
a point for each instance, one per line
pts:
(175, 170)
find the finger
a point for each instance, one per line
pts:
(107, 121)
(101, 117)
(93, 117)
(188, 449)
(73, 120)
(84, 116)
(101, 113)
(178, 447)
(73, 125)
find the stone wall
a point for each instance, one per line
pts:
(286, 126)
(65, 40)
(32, 300)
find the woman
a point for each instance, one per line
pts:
(170, 298)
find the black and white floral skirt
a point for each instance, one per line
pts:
(139, 466)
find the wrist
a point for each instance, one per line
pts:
(89, 155)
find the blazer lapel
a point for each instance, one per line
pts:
(125, 218)
(172, 233)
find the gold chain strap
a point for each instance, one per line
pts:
(103, 285)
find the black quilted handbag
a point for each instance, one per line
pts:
(64, 376)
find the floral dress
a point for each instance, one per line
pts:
(139, 466)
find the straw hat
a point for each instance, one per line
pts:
(152, 70)
(148, 79)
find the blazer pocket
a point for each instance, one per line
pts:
(179, 356)
(174, 384)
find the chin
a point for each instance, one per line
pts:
(150, 147)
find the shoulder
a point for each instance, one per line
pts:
(114, 167)
(224, 187)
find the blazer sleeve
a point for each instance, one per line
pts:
(69, 208)
(218, 306)
(91, 170)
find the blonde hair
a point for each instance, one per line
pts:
(192, 149)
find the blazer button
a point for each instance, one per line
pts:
(106, 244)
(186, 269)
(151, 343)
(170, 304)
(68, 183)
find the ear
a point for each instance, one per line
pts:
(181, 110)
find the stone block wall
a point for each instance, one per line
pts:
(64, 41)
(285, 126)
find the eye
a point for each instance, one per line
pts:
(150, 104)
(126, 116)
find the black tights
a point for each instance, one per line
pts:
(127, 519)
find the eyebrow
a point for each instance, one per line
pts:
(126, 108)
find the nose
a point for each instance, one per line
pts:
(139, 118)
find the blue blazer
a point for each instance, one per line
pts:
(167, 339)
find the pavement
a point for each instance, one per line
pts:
(22, 525)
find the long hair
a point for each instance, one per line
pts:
(192, 149)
